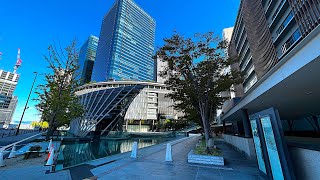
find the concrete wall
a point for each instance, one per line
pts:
(305, 163)
(243, 144)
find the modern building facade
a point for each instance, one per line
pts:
(277, 43)
(8, 102)
(129, 105)
(148, 106)
(126, 44)
(160, 66)
(260, 46)
(87, 57)
(226, 36)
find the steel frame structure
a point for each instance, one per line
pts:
(104, 105)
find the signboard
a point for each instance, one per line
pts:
(271, 149)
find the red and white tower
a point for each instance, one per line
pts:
(18, 63)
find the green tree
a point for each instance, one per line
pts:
(57, 100)
(194, 71)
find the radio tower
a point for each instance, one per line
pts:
(18, 63)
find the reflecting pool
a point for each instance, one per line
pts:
(78, 152)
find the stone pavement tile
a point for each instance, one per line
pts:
(237, 175)
(205, 173)
(110, 167)
(248, 170)
(142, 177)
(34, 173)
(80, 172)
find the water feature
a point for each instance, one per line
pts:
(77, 152)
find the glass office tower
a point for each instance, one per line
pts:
(126, 44)
(87, 56)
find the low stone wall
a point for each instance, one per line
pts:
(203, 159)
(242, 144)
(305, 163)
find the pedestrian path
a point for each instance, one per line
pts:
(150, 164)
(153, 166)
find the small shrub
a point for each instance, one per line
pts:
(201, 149)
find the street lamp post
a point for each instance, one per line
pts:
(26, 106)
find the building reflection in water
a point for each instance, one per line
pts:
(74, 153)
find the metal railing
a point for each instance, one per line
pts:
(18, 142)
(8, 133)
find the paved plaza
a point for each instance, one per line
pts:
(150, 164)
(153, 165)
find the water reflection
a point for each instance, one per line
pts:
(74, 153)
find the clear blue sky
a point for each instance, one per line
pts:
(34, 24)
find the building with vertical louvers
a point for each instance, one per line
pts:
(266, 30)
(277, 44)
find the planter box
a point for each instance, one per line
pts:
(204, 159)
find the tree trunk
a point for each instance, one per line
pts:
(206, 126)
(51, 127)
(206, 129)
(49, 132)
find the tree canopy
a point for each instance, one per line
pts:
(196, 72)
(58, 103)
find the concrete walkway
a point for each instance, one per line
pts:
(150, 164)
(31, 169)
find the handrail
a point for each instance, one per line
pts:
(5, 147)
(10, 133)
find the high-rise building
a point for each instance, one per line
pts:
(8, 102)
(160, 66)
(126, 44)
(227, 34)
(87, 57)
(276, 43)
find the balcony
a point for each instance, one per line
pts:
(244, 56)
(269, 8)
(281, 9)
(290, 43)
(250, 84)
(248, 74)
(283, 30)
(246, 63)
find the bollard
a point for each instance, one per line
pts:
(2, 164)
(169, 153)
(50, 145)
(50, 159)
(13, 152)
(134, 150)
